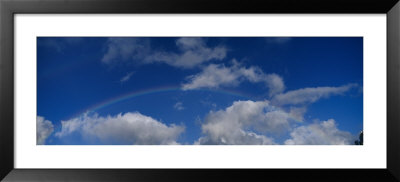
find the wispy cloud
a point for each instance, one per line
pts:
(309, 95)
(179, 106)
(219, 75)
(126, 49)
(128, 128)
(126, 77)
(192, 52)
(44, 128)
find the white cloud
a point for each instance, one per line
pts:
(309, 95)
(274, 83)
(128, 128)
(240, 137)
(259, 123)
(217, 75)
(324, 133)
(236, 125)
(212, 76)
(298, 113)
(192, 52)
(179, 106)
(273, 122)
(126, 77)
(44, 128)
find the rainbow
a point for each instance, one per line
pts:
(138, 93)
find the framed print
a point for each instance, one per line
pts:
(150, 91)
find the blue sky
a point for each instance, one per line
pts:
(199, 90)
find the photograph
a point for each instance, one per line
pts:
(199, 91)
(207, 90)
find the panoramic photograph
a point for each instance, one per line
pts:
(199, 91)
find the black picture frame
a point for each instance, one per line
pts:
(8, 8)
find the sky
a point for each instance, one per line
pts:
(199, 90)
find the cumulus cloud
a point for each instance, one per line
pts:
(44, 128)
(324, 133)
(298, 112)
(309, 95)
(128, 128)
(260, 123)
(192, 52)
(126, 77)
(218, 75)
(274, 83)
(238, 124)
(240, 137)
(179, 106)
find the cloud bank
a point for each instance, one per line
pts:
(259, 123)
(128, 128)
(242, 123)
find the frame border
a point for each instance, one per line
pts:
(8, 8)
